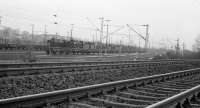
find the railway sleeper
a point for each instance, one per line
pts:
(136, 96)
(171, 86)
(165, 88)
(139, 92)
(179, 84)
(187, 84)
(168, 93)
(120, 99)
(81, 105)
(111, 104)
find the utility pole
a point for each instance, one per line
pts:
(106, 39)
(101, 33)
(72, 26)
(147, 36)
(107, 36)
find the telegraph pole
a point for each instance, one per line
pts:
(107, 36)
(107, 31)
(106, 39)
(147, 36)
(101, 33)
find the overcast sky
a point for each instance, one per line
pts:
(168, 19)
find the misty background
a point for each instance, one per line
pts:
(168, 19)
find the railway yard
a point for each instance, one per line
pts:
(99, 54)
(100, 84)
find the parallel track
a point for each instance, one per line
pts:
(44, 64)
(92, 67)
(132, 93)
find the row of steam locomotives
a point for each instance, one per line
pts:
(16, 45)
(60, 47)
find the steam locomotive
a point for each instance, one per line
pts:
(65, 47)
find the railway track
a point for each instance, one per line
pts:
(5, 72)
(44, 64)
(155, 91)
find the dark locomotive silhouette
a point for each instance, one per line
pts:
(60, 46)
(64, 47)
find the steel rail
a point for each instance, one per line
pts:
(17, 65)
(69, 95)
(178, 100)
(57, 69)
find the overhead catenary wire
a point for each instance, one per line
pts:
(28, 21)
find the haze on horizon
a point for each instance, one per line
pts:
(168, 19)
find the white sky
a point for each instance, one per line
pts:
(170, 19)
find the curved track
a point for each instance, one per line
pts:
(132, 93)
